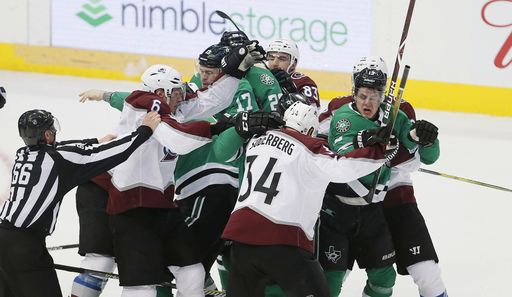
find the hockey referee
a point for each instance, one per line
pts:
(43, 172)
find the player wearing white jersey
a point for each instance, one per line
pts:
(286, 173)
(137, 199)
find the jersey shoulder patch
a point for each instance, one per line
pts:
(267, 79)
(343, 125)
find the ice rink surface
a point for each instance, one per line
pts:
(470, 224)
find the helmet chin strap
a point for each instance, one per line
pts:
(290, 70)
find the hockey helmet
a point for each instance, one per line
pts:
(302, 117)
(33, 123)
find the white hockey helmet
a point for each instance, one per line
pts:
(163, 77)
(285, 46)
(371, 62)
(302, 117)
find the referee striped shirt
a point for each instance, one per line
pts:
(43, 174)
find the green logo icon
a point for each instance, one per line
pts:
(94, 14)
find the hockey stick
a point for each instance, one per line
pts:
(369, 197)
(225, 16)
(396, 69)
(62, 247)
(464, 180)
(116, 276)
(391, 92)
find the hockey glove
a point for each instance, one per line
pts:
(190, 87)
(2, 97)
(224, 122)
(284, 79)
(423, 133)
(241, 59)
(368, 137)
(248, 123)
(392, 147)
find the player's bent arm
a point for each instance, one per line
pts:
(228, 146)
(183, 138)
(354, 165)
(93, 160)
(430, 154)
(117, 99)
(210, 101)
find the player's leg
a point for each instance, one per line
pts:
(95, 239)
(331, 240)
(415, 250)
(224, 263)
(181, 255)
(380, 282)
(189, 280)
(373, 249)
(26, 267)
(139, 250)
(244, 278)
(207, 214)
(138, 291)
(85, 285)
(427, 276)
(298, 272)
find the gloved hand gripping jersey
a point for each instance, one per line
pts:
(240, 60)
(248, 123)
(368, 137)
(285, 80)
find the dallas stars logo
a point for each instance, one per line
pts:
(343, 125)
(266, 79)
(333, 255)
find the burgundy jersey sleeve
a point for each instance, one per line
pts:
(306, 86)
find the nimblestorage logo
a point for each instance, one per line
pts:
(94, 13)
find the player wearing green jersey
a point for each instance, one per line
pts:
(350, 228)
(265, 87)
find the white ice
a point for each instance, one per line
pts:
(470, 224)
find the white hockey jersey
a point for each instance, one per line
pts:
(286, 174)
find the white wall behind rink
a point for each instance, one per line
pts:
(449, 41)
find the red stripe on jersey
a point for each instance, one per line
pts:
(398, 196)
(139, 197)
(247, 226)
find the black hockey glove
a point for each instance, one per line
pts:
(366, 138)
(285, 80)
(249, 123)
(423, 133)
(2, 96)
(241, 59)
(224, 122)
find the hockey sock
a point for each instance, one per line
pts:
(335, 280)
(209, 283)
(274, 291)
(223, 268)
(139, 291)
(189, 280)
(165, 291)
(86, 285)
(427, 276)
(380, 282)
